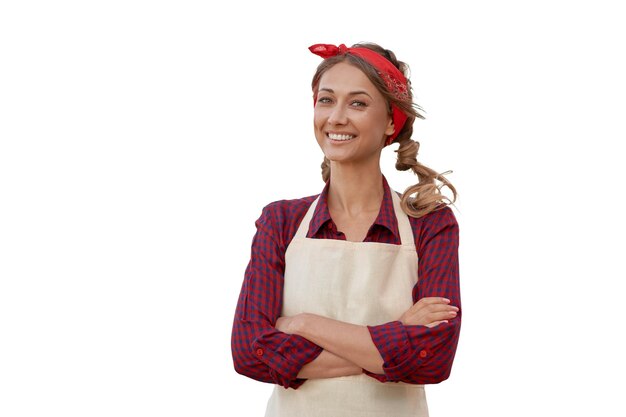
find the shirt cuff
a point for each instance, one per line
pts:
(285, 355)
(399, 360)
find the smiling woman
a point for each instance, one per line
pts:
(387, 75)
(350, 302)
(345, 93)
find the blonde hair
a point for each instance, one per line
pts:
(425, 196)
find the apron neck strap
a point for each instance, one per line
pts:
(303, 229)
(404, 226)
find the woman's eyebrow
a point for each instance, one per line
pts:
(351, 93)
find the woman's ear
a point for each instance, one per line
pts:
(390, 127)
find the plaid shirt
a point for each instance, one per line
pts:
(412, 354)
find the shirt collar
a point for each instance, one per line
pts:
(386, 216)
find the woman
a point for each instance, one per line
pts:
(331, 309)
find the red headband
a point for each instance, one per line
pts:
(395, 81)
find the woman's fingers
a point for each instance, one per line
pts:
(434, 308)
(431, 304)
(429, 310)
(428, 318)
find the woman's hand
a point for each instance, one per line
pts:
(287, 324)
(429, 312)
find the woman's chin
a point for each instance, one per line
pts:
(337, 157)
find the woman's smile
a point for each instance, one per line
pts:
(339, 137)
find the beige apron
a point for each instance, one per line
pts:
(364, 283)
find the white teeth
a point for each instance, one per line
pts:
(335, 136)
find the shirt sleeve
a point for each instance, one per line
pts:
(259, 350)
(419, 354)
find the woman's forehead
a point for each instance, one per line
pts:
(345, 77)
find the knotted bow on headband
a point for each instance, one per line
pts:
(394, 79)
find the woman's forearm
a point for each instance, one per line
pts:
(328, 365)
(345, 340)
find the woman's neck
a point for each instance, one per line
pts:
(355, 189)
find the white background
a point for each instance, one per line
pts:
(140, 141)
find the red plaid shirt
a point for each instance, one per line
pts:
(413, 354)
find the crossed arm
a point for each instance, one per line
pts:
(419, 347)
(349, 348)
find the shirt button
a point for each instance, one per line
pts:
(259, 352)
(329, 225)
(423, 353)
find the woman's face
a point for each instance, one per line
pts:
(351, 118)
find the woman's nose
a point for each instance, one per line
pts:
(338, 116)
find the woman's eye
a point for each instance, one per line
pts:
(357, 103)
(323, 100)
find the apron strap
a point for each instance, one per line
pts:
(404, 226)
(303, 229)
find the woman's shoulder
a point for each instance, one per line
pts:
(288, 207)
(440, 218)
(439, 228)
